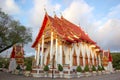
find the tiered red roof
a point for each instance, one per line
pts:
(65, 29)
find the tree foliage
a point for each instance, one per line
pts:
(60, 68)
(12, 32)
(93, 68)
(79, 69)
(46, 68)
(99, 68)
(86, 68)
(28, 63)
(116, 60)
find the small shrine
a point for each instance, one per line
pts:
(18, 54)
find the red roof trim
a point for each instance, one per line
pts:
(41, 30)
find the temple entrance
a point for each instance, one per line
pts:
(86, 59)
(91, 60)
(74, 59)
(63, 60)
(95, 63)
(53, 62)
(81, 59)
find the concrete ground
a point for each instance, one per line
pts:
(9, 76)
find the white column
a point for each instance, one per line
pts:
(51, 47)
(38, 55)
(91, 51)
(35, 54)
(56, 51)
(88, 56)
(61, 54)
(99, 60)
(42, 51)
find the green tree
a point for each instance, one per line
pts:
(12, 32)
(93, 68)
(79, 69)
(86, 68)
(46, 68)
(28, 63)
(99, 68)
(60, 68)
(116, 60)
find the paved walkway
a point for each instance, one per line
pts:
(9, 76)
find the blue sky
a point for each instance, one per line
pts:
(99, 18)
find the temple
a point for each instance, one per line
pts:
(61, 42)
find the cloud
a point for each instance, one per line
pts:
(9, 6)
(28, 50)
(37, 13)
(78, 11)
(108, 35)
(114, 12)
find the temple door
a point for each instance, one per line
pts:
(95, 63)
(74, 59)
(54, 62)
(63, 60)
(48, 59)
(91, 60)
(86, 59)
(81, 59)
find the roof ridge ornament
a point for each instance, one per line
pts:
(54, 14)
(61, 15)
(45, 10)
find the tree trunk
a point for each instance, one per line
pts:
(6, 48)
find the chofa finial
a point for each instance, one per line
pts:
(45, 9)
(61, 15)
(54, 12)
